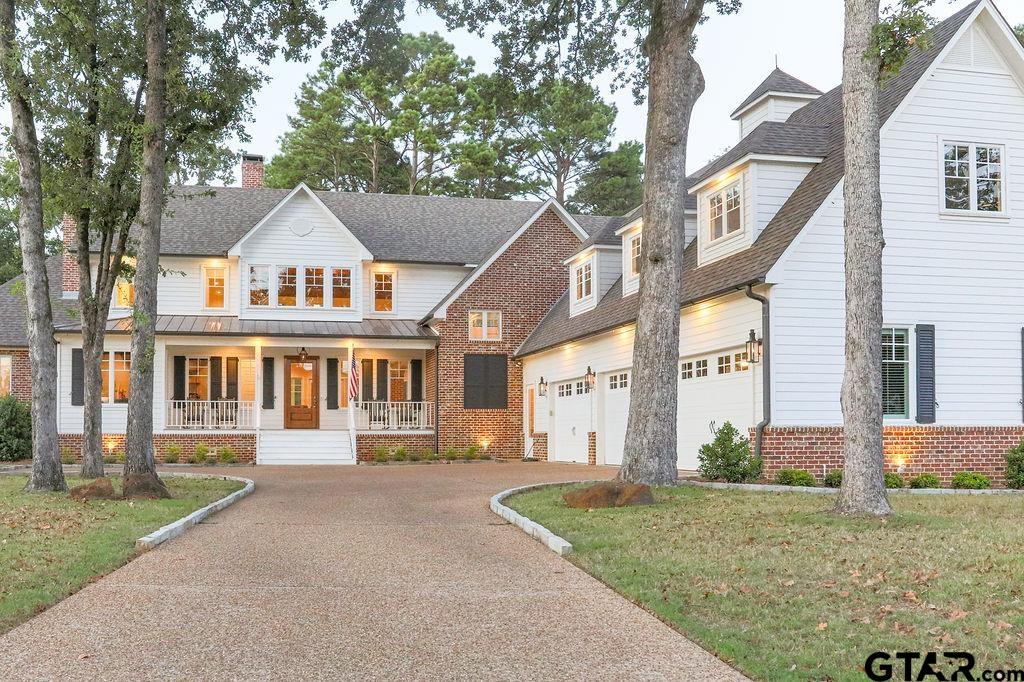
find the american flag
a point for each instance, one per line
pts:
(353, 380)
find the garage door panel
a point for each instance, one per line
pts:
(616, 414)
(708, 402)
(571, 422)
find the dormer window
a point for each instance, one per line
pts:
(634, 255)
(972, 177)
(724, 212)
(583, 278)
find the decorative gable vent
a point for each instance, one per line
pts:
(975, 51)
(300, 228)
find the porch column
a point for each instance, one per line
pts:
(159, 386)
(257, 409)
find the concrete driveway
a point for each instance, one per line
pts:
(396, 572)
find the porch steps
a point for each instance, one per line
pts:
(305, 446)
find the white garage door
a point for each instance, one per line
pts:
(712, 390)
(572, 422)
(612, 429)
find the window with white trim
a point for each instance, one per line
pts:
(583, 280)
(580, 388)
(896, 372)
(564, 390)
(701, 368)
(725, 212)
(618, 381)
(199, 378)
(259, 285)
(485, 325)
(314, 285)
(341, 287)
(124, 294)
(383, 292)
(972, 176)
(724, 364)
(215, 282)
(635, 247)
(6, 375)
(686, 370)
(115, 376)
(740, 362)
(287, 287)
(398, 370)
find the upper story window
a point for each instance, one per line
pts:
(584, 284)
(259, 285)
(215, 285)
(383, 291)
(634, 255)
(287, 287)
(124, 294)
(895, 372)
(115, 376)
(314, 279)
(6, 375)
(341, 288)
(725, 212)
(973, 177)
(485, 325)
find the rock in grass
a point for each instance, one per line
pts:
(609, 494)
(145, 486)
(98, 489)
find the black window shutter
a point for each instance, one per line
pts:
(179, 377)
(485, 382)
(216, 392)
(497, 382)
(268, 383)
(416, 368)
(232, 369)
(332, 383)
(473, 381)
(925, 335)
(77, 377)
(367, 371)
(382, 379)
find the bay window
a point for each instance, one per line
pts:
(973, 177)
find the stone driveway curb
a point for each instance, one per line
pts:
(176, 528)
(771, 488)
(555, 543)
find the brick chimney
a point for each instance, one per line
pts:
(69, 271)
(252, 171)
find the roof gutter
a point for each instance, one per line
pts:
(766, 370)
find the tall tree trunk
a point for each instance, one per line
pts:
(140, 463)
(47, 474)
(863, 487)
(675, 84)
(92, 385)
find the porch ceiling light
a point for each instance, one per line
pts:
(303, 354)
(754, 347)
(542, 388)
(591, 379)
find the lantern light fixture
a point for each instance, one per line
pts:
(754, 347)
(542, 388)
(303, 354)
(591, 379)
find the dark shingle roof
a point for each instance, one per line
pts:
(751, 264)
(223, 325)
(13, 313)
(777, 81)
(207, 221)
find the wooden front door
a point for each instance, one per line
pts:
(302, 393)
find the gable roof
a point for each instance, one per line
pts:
(208, 221)
(752, 264)
(777, 81)
(14, 311)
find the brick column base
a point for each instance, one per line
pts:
(592, 448)
(540, 446)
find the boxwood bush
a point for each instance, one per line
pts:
(971, 480)
(15, 430)
(834, 479)
(893, 480)
(797, 477)
(1015, 467)
(728, 457)
(925, 481)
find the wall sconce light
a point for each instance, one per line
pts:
(485, 443)
(591, 379)
(303, 354)
(542, 388)
(754, 347)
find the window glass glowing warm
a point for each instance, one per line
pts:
(259, 285)
(105, 378)
(122, 375)
(216, 280)
(124, 295)
(341, 288)
(287, 284)
(634, 255)
(198, 378)
(485, 325)
(383, 291)
(5, 375)
(314, 287)
(583, 281)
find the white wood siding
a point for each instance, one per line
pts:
(417, 288)
(773, 108)
(960, 274)
(609, 270)
(754, 117)
(776, 182)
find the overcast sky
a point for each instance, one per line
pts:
(736, 53)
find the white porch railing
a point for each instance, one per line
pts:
(403, 415)
(211, 414)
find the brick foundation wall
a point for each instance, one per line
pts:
(244, 444)
(592, 448)
(940, 450)
(523, 283)
(367, 443)
(540, 446)
(21, 373)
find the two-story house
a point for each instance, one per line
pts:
(762, 326)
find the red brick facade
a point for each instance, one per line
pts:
(367, 443)
(523, 283)
(540, 446)
(244, 444)
(940, 450)
(252, 171)
(592, 448)
(21, 373)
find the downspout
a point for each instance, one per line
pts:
(437, 398)
(766, 370)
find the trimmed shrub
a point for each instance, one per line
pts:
(200, 453)
(119, 456)
(15, 430)
(109, 459)
(834, 479)
(400, 454)
(67, 456)
(451, 453)
(471, 453)
(925, 481)
(381, 454)
(484, 455)
(428, 455)
(1015, 467)
(971, 480)
(893, 480)
(172, 453)
(728, 457)
(415, 457)
(226, 455)
(797, 477)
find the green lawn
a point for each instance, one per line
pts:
(51, 546)
(781, 589)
